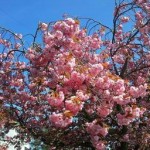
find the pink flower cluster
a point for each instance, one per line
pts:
(96, 131)
(73, 84)
(131, 113)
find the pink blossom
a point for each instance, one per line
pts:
(100, 146)
(95, 69)
(134, 91)
(43, 26)
(74, 105)
(59, 120)
(125, 19)
(56, 99)
(103, 111)
(122, 120)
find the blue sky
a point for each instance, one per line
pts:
(22, 16)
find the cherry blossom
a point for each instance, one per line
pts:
(80, 87)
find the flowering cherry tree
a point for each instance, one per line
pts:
(83, 88)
